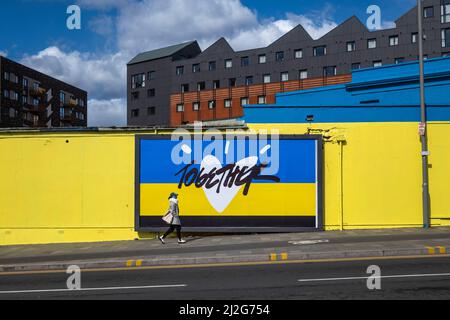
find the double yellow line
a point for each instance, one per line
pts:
(437, 250)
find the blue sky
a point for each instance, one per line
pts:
(34, 32)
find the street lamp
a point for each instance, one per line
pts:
(423, 126)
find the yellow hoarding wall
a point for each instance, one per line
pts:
(79, 187)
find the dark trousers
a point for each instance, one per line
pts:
(172, 229)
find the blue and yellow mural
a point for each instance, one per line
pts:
(246, 182)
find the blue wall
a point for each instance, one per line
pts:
(384, 94)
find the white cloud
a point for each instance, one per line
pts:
(150, 24)
(102, 25)
(103, 77)
(102, 4)
(143, 25)
(105, 113)
(3, 53)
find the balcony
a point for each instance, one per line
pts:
(72, 103)
(37, 92)
(66, 117)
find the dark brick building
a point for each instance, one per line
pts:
(32, 99)
(182, 84)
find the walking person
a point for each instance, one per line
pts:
(175, 223)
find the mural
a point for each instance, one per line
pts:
(230, 183)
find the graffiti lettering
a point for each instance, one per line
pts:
(226, 177)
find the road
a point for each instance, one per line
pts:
(414, 278)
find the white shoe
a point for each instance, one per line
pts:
(162, 240)
(182, 241)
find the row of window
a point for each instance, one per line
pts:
(151, 111)
(9, 76)
(298, 54)
(328, 71)
(227, 103)
(139, 80)
(13, 95)
(64, 113)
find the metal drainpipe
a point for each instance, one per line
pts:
(424, 136)
(341, 155)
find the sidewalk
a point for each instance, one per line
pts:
(228, 249)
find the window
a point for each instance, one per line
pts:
(196, 68)
(81, 103)
(244, 101)
(184, 88)
(201, 86)
(428, 12)
(151, 93)
(320, 51)
(216, 84)
(228, 103)
(232, 82)
(284, 76)
(446, 38)
(399, 60)
(212, 66)
(13, 113)
(329, 71)
(135, 113)
(267, 78)
(6, 76)
(152, 75)
(180, 70)
(180, 107)
(371, 43)
(356, 66)
(13, 78)
(245, 61)
(6, 93)
(25, 83)
(393, 41)
(135, 95)
(228, 64)
(445, 11)
(303, 74)
(248, 80)
(279, 56)
(262, 100)
(377, 63)
(196, 106)
(298, 54)
(24, 100)
(211, 104)
(351, 46)
(35, 102)
(262, 59)
(138, 81)
(151, 111)
(414, 37)
(62, 95)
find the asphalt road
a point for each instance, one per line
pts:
(424, 278)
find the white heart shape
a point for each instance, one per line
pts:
(221, 201)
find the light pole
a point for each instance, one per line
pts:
(423, 126)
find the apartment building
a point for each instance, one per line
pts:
(32, 99)
(182, 84)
